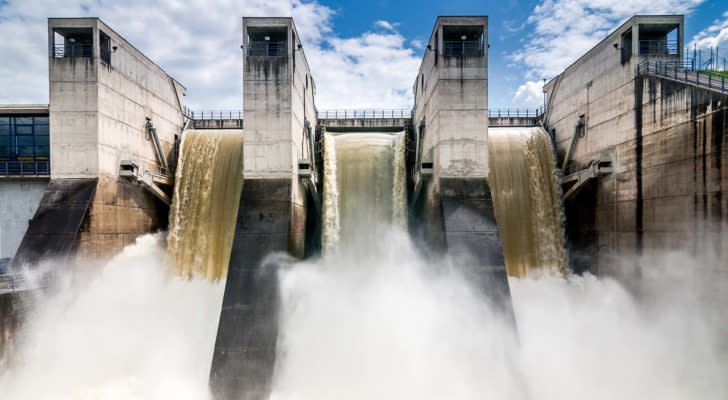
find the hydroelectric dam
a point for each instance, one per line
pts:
(466, 208)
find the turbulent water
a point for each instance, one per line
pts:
(205, 204)
(384, 323)
(392, 325)
(128, 329)
(527, 200)
(364, 185)
(388, 325)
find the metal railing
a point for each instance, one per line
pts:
(712, 58)
(17, 282)
(268, 49)
(462, 48)
(213, 114)
(367, 114)
(515, 112)
(668, 47)
(75, 50)
(677, 71)
(25, 168)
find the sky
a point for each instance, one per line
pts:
(363, 54)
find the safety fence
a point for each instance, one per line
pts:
(25, 168)
(364, 114)
(678, 71)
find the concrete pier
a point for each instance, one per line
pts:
(278, 103)
(102, 93)
(450, 119)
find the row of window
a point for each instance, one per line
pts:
(24, 138)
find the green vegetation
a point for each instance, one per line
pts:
(717, 74)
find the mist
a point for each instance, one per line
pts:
(387, 324)
(126, 329)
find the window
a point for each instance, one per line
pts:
(626, 49)
(463, 41)
(24, 138)
(104, 47)
(267, 41)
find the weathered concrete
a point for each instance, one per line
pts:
(667, 143)
(245, 347)
(99, 106)
(55, 225)
(471, 233)
(451, 102)
(19, 198)
(451, 126)
(280, 117)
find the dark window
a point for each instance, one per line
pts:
(4, 147)
(463, 41)
(24, 130)
(42, 147)
(104, 47)
(24, 138)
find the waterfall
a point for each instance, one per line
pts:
(527, 200)
(364, 186)
(207, 190)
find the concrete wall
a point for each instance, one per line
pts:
(451, 98)
(19, 198)
(667, 143)
(98, 111)
(278, 99)
(278, 104)
(451, 103)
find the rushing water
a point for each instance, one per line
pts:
(364, 186)
(205, 204)
(376, 320)
(527, 200)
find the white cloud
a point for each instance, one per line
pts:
(530, 94)
(716, 35)
(386, 25)
(199, 44)
(563, 30)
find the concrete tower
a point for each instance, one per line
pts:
(279, 112)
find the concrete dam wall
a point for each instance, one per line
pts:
(375, 257)
(669, 184)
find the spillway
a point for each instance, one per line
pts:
(527, 200)
(364, 186)
(205, 204)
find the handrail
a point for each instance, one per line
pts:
(16, 282)
(268, 49)
(363, 114)
(25, 168)
(460, 48)
(516, 112)
(669, 47)
(213, 114)
(73, 50)
(678, 72)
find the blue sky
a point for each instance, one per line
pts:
(363, 54)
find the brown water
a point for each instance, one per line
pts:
(364, 186)
(205, 204)
(527, 200)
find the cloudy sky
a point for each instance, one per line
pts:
(363, 54)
